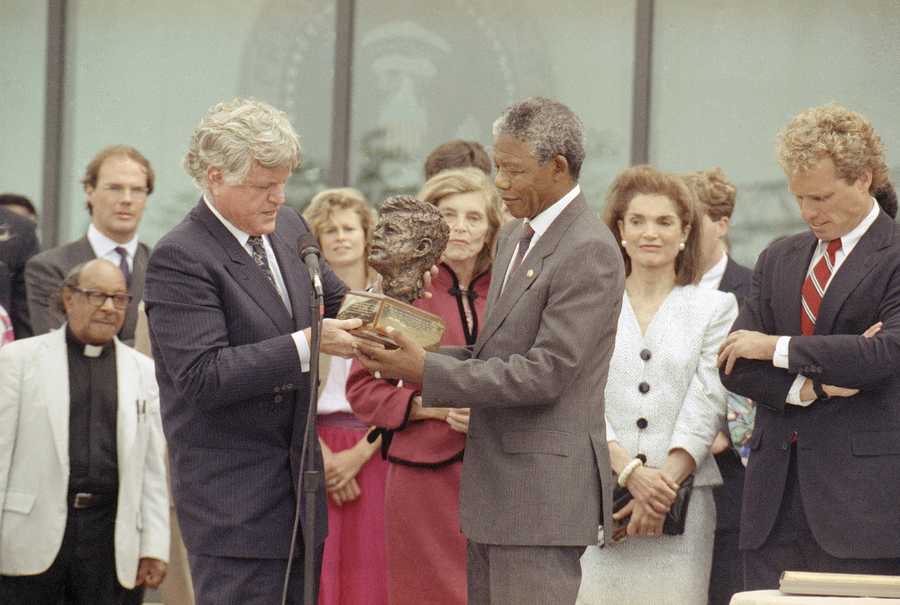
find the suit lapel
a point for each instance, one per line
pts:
(793, 271)
(296, 279)
(530, 269)
(55, 362)
(854, 268)
(241, 267)
(128, 392)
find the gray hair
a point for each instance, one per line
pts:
(548, 127)
(234, 134)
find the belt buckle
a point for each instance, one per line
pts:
(82, 500)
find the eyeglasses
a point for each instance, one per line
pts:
(98, 299)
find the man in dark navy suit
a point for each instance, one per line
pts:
(228, 305)
(817, 346)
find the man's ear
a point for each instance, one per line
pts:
(214, 176)
(560, 166)
(423, 247)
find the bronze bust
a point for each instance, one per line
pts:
(409, 238)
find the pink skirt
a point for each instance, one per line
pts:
(354, 565)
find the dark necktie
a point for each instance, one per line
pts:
(123, 264)
(814, 287)
(261, 258)
(524, 243)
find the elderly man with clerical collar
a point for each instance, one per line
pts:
(84, 512)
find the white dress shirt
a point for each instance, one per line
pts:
(542, 222)
(713, 278)
(105, 248)
(333, 398)
(848, 243)
(299, 337)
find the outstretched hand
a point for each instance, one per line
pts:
(406, 362)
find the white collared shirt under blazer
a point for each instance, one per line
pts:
(34, 458)
(684, 403)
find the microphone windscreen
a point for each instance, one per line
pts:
(308, 244)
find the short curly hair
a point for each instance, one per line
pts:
(234, 134)
(834, 131)
(647, 180)
(548, 127)
(714, 191)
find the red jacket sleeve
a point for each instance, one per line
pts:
(378, 402)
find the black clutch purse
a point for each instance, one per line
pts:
(674, 524)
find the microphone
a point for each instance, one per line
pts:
(308, 247)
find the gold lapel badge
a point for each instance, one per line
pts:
(530, 273)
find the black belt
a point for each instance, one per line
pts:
(83, 500)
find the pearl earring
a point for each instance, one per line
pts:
(623, 243)
(681, 246)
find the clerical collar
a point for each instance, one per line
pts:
(87, 350)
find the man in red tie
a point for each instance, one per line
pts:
(817, 345)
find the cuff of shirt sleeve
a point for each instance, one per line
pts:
(780, 357)
(793, 397)
(302, 349)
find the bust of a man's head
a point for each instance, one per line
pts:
(409, 238)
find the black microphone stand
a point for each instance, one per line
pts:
(309, 478)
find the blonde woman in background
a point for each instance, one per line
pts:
(353, 564)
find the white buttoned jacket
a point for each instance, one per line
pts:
(664, 390)
(34, 458)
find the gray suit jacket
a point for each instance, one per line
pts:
(536, 469)
(46, 271)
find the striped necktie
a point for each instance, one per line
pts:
(814, 287)
(524, 244)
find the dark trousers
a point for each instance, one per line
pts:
(84, 571)
(236, 581)
(522, 575)
(727, 573)
(792, 547)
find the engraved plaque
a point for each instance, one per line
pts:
(379, 311)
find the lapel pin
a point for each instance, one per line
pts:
(530, 273)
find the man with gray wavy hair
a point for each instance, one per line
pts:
(536, 479)
(227, 300)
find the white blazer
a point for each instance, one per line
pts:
(34, 458)
(675, 393)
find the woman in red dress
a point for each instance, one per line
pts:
(354, 567)
(426, 549)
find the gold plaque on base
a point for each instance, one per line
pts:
(380, 311)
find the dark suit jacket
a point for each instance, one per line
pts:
(536, 469)
(233, 397)
(18, 243)
(848, 449)
(45, 273)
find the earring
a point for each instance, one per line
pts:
(623, 243)
(681, 246)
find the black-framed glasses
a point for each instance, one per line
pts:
(98, 299)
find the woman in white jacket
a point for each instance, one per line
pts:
(664, 400)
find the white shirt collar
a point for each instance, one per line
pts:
(849, 241)
(542, 221)
(713, 278)
(237, 233)
(102, 245)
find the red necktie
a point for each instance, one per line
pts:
(814, 287)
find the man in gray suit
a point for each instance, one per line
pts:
(536, 475)
(118, 181)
